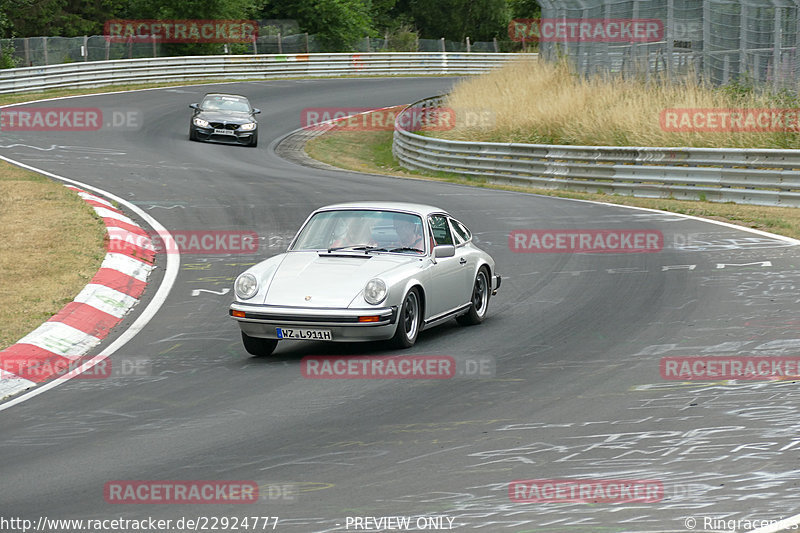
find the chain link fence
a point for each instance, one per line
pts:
(38, 51)
(717, 41)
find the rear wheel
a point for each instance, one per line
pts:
(409, 320)
(480, 300)
(258, 346)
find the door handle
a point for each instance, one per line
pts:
(462, 261)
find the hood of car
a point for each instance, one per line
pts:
(310, 279)
(231, 117)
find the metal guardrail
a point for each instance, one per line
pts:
(91, 74)
(747, 176)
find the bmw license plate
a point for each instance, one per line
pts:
(305, 334)
(223, 132)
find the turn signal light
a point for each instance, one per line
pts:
(369, 319)
(237, 314)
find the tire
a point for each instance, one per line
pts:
(258, 346)
(253, 141)
(408, 321)
(479, 304)
(192, 134)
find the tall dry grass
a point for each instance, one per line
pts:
(541, 102)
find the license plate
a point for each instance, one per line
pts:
(223, 132)
(305, 334)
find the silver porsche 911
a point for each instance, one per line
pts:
(365, 272)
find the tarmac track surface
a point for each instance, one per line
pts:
(575, 341)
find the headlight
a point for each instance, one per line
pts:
(245, 286)
(248, 127)
(375, 291)
(200, 122)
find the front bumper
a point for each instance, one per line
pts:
(263, 320)
(238, 137)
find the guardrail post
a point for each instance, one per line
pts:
(469, 48)
(44, 47)
(444, 48)
(280, 43)
(307, 50)
(85, 48)
(494, 41)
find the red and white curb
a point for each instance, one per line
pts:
(59, 344)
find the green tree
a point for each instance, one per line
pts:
(339, 24)
(455, 20)
(188, 9)
(525, 9)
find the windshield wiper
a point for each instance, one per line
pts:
(406, 249)
(365, 247)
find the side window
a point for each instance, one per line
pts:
(440, 229)
(460, 231)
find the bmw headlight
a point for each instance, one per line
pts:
(245, 286)
(248, 127)
(375, 291)
(200, 122)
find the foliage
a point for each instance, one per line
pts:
(338, 24)
(455, 20)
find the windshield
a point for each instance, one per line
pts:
(367, 230)
(220, 102)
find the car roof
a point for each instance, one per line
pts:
(420, 209)
(225, 94)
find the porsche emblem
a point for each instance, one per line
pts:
(308, 298)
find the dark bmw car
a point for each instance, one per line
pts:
(226, 118)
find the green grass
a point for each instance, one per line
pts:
(51, 245)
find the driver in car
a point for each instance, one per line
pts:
(409, 233)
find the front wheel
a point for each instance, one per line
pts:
(480, 300)
(258, 346)
(408, 322)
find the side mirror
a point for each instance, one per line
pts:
(444, 250)
(194, 106)
(256, 111)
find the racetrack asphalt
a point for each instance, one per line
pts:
(575, 341)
